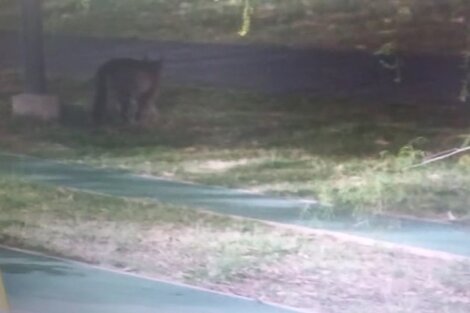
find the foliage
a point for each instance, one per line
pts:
(247, 12)
(411, 25)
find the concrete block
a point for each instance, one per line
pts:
(43, 107)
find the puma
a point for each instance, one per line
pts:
(133, 83)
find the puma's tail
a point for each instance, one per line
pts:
(99, 102)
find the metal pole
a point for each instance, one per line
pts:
(33, 47)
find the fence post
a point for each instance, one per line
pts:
(34, 101)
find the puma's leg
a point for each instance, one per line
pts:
(147, 112)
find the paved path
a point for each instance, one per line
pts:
(37, 284)
(268, 69)
(427, 235)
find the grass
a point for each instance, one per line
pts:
(350, 154)
(318, 273)
(330, 24)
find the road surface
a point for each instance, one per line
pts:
(269, 69)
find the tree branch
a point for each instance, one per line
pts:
(442, 156)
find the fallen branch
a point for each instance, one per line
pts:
(441, 156)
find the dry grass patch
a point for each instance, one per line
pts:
(318, 273)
